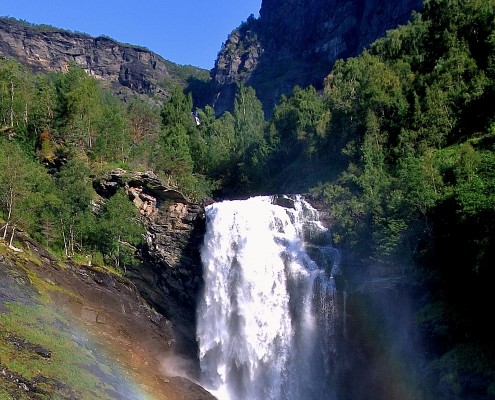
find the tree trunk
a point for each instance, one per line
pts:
(6, 226)
(66, 250)
(118, 253)
(71, 240)
(12, 236)
(10, 205)
(11, 103)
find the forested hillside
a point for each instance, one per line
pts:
(400, 144)
(411, 122)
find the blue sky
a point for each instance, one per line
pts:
(182, 31)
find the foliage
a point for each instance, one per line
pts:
(250, 149)
(144, 123)
(120, 231)
(298, 125)
(25, 191)
(75, 127)
(400, 143)
(413, 117)
(17, 89)
(212, 146)
(79, 108)
(398, 104)
(114, 140)
(74, 214)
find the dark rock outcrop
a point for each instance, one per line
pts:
(127, 70)
(170, 275)
(296, 42)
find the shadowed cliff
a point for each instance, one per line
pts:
(296, 42)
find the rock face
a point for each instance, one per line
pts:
(169, 276)
(127, 70)
(296, 42)
(96, 312)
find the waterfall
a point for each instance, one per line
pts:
(266, 319)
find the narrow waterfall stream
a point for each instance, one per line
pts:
(266, 320)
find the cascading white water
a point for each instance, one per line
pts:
(265, 322)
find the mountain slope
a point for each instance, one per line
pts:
(128, 70)
(69, 331)
(296, 42)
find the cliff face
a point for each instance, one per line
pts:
(169, 276)
(296, 42)
(127, 70)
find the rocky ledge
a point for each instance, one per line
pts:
(169, 276)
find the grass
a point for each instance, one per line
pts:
(29, 261)
(76, 367)
(66, 370)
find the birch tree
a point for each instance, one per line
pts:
(120, 230)
(76, 192)
(12, 186)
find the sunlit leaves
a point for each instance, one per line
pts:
(120, 230)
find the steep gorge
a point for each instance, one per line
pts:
(293, 43)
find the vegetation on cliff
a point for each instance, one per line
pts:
(60, 131)
(409, 125)
(400, 144)
(69, 331)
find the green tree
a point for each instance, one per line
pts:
(249, 119)
(173, 155)
(144, 122)
(26, 192)
(113, 142)
(120, 230)
(75, 215)
(299, 123)
(79, 107)
(374, 179)
(13, 186)
(44, 103)
(250, 147)
(475, 175)
(221, 145)
(177, 110)
(17, 92)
